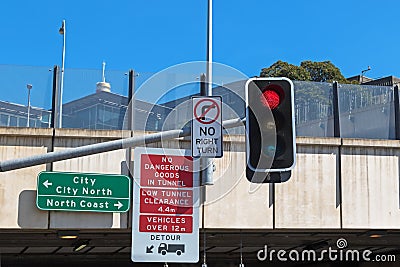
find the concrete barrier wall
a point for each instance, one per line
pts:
(310, 199)
(370, 184)
(108, 163)
(18, 188)
(337, 183)
(234, 202)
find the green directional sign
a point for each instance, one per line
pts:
(83, 192)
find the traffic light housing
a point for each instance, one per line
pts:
(270, 130)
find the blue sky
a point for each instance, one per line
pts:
(150, 35)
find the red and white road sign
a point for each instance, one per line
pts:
(166, 201)
(206, 110)
(165, 225)
(207, 127)
(166, 171)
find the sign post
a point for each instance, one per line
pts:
(83, 192)
(207, 127)
(165, 224)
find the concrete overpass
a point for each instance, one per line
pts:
(340, 188)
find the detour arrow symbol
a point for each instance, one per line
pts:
(149, 249)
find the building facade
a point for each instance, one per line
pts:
(16, 115)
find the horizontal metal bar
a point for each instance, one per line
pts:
(76, 152)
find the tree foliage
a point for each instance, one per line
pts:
(284, 69)
(323, 71)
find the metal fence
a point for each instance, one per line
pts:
(92, 99)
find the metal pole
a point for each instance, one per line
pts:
(29, 105)
(209, 49)
(130, 109)
(64, 33)
(14, 164)
(207, 163)
(131, 91)
(336, 119)
(396, 111)
(29, 87)
(54, 103)
(203, 85)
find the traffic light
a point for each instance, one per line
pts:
(270, 133)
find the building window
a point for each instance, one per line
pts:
(32, 123)
(3, 120)
(23, 121)
(13, 121)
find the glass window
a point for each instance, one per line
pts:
(100, 113)
(32, 123)
(80, 119)
(22, 122)
(13, 121)
(3, 120)
(46, 119)
(107, 114)
(92, 114)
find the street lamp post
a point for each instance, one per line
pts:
(209, 48)
(207, 163)
(63, 32)
(29, 87)
(362, 74)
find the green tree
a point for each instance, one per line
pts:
(308, 93)
(323, 71)
(284, 69)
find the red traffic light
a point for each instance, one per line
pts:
(270, 137)
(272, 96)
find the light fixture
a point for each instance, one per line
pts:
(61, 30)
(362, 74)
(375, 236)
(376, 233)
(81, 245)
(68, 234)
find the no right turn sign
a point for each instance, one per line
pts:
(207, 127)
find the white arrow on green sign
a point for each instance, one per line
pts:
(83, 192)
